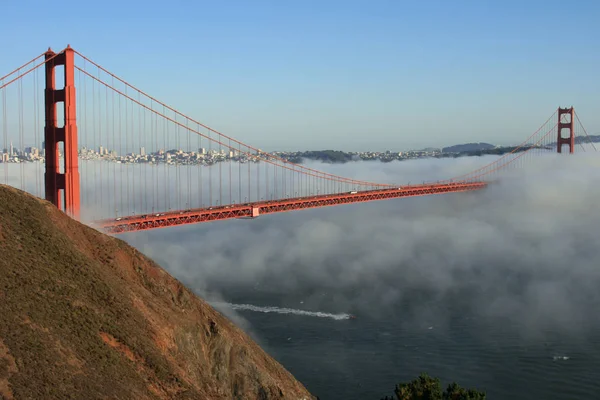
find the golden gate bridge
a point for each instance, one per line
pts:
(71, 104)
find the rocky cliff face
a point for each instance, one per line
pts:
(84, 315)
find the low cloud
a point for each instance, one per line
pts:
(525, 250)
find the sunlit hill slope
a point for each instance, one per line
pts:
(84, 315)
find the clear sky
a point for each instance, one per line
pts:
(345, 74)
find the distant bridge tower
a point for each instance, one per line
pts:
(566, 124)
(59, 184)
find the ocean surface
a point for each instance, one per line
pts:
(340, 358)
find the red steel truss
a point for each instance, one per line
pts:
(253, 210)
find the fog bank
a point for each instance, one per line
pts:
(524, 251)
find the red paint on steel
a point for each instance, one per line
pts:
(567, 124)
(249, 210)
(57, 183)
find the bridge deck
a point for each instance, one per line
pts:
(253, 210)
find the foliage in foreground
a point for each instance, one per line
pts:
(427, 388)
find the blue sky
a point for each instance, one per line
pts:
(337, 74)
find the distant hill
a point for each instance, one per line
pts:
(85, 316)
(467, 147)
(587, 139)
(326, 156)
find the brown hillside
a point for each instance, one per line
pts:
(85, 316)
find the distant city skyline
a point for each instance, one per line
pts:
(340, 74)
(32, 153)
(39, 150)
(204, 144)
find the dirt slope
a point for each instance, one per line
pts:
(85, 316)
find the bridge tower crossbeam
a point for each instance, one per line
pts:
(65, 185)
(567, 124)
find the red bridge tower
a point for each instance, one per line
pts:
(567, 124)
(59, 184)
